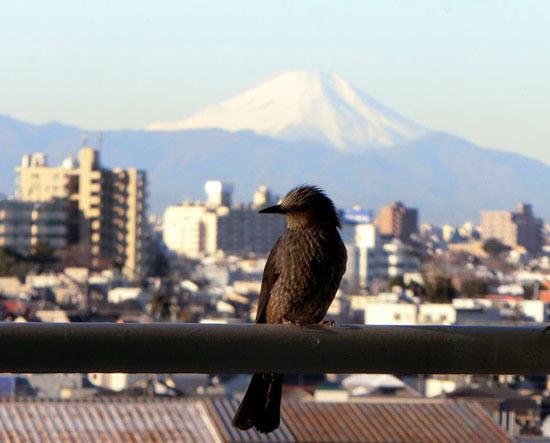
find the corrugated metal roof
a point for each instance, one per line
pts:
(106, 420)
(223, 410)
(426, 421)
(209, 420)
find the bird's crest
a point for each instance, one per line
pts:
(312, 198)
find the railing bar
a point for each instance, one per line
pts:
(248, 348)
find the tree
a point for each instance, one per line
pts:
(439, 288)
(494, 247)
(395, 281)
(75, 255)
(13, 264)
(42, 255)
(160, 304)
(474, 287)
(417, 289)
(160, 266)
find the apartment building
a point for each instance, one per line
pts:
(519, 228)
(372, 259)
(203, 229)
(190, 229)
(105, 209)
(36, 181)
(242, 230)
(398, 221)
(218, 194)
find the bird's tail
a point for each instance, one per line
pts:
(261, 405)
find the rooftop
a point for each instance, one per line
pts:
(209, 420)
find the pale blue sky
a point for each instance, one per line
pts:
(478, 69)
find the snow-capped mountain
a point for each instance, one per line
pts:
(447, 178)
(302, 105)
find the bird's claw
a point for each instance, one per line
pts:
(292, 322)
(330, 323)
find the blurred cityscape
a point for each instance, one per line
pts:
(77, 244)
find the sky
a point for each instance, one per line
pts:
(477, 69)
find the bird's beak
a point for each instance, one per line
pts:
(273, 210)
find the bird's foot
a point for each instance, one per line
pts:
(294, 323)
(330, 323)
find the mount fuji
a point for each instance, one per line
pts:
(302, 127)
(300, 105)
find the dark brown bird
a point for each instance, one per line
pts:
(300, 280)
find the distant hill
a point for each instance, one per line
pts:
(18, 137)
(447, 178)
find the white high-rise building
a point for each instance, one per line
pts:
(400, 260)
(190, 230)
(218, 194)
(371, 260)
(197, 230)
(367, 261)
(448, 232)
(262, 197)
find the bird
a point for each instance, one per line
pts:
(301, 276)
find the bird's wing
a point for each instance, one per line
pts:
(271, 273)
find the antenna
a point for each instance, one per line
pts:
(84, 138)
(99, 139)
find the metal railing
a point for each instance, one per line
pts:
(249, 348)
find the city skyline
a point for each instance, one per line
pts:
(353, 213)
(446, 66)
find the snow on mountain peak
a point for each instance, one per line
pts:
(303, 105)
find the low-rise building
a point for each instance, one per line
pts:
(10, 286)
(388, 313)
(436, 314)
(118, 295)
(401, 308)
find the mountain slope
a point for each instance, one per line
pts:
(447, 178)
(301, 105)
(18, 138)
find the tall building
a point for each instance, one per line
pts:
(242, 230)
(23, 225)
(130, 220)
(398, 221)
(520, 228)
(36, 181)
(196, 230)
(218, 194)
(372, 260)
(106, 209)
(190, 230)
(262, 198)
(448, 232)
